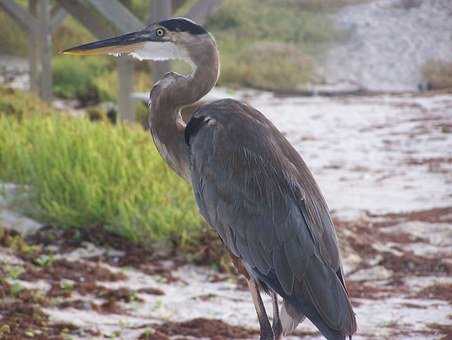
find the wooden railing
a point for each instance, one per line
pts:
(102, 18)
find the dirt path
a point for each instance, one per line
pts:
(385, 166)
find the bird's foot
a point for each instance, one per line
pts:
(276, 324)
(267, 333)
(277, 331)
(271, 334)
(267, 337)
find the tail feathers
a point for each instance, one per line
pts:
(312, 314)
(290, 318)
(323, 290)
(322, 298)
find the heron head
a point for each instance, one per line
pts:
(176, 38)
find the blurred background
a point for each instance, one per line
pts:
(99, 239)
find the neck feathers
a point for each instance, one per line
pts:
(175, 91)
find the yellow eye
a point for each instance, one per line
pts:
(159, 32)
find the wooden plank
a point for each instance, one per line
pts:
(123, 20)
(26, 21)
(125, 76)
(45, 50)
(108, 18)
(102, 17)
(33, 55)
(176, 4)
(201, 10)
(160, 9)
(83, 12)
(58, 14)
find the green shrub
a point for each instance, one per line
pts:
(139, 8)
(256, 20)
(106, 86)
(323, 5)
(240, 27)
(12, 39)
(304, 24)
(141, 113)
(21, 105)
(105, 112)
(69, 34)
(84, 174)
(272, 66)
(438, 74)
(88, 79)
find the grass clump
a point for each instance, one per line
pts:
(302, 30)
(324, 5)
(70, 33)
(289, 66)
(12, 39)
(269, 44)
(21, 105)
(438, 74)
(86, 79)
(85, 174)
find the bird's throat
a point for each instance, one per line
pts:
(172, 93)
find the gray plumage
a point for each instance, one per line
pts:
(250, 184)
(255, 190)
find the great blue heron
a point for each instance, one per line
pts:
(250, 184)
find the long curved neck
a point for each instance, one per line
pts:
(175, 91)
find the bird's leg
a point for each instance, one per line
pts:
(266, 329)
(276, 325)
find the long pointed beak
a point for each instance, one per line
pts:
(123, 44)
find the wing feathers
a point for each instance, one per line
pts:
(256, 191)
(283, 270)
(334, 307)
(296, 262)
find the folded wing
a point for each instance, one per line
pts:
(256, 191)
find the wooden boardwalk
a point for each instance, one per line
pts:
(103, 18)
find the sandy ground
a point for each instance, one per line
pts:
(384, 164)
(388, 43)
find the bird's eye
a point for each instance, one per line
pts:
(160, 32)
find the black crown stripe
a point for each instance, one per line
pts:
(182, 25)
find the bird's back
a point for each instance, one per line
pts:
(254, 188)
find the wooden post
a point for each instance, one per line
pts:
(33, 55)
(58, 14)
(125, 88)
(160, 9)
(45, 50)
(176, 4)
(201, 10)
(108, 18)
(38, 22)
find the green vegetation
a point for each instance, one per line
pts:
(84, 174)
(322, 5)
(21, 105)
(12, 39)
(89, 79)
(292, 33)
(438, 74)
(70, 33)
(269, 44)
(289, 67)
